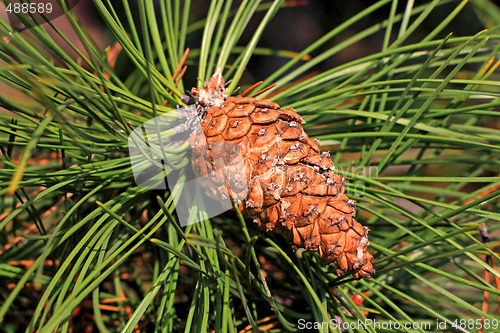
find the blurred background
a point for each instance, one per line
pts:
(294, 28)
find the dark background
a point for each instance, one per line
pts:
(298, 26)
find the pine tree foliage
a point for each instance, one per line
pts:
(414, 128)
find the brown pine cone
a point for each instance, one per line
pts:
(260, 155)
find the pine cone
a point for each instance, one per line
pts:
(278, 176)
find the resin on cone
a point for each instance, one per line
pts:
(278, 176)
